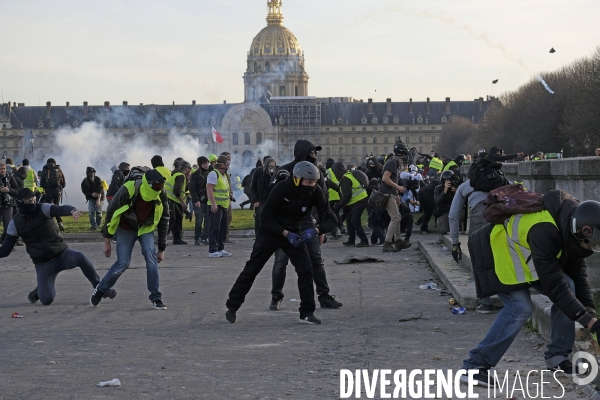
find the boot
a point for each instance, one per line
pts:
(389, 248)
(402, 244)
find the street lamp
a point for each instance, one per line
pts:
(31, 138)
(205, 144)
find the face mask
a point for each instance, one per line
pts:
(271, 169)
(27, 209)
(432, 155)
(306, 191)
(146, 191)
(91, 176)
(125, 173)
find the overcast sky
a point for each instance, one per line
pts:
(182, 50)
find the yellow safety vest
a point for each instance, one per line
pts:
(436, 163)
(334, 195)
(512, 254)
(164, 172)
(450, 164)
(29, 181)
(170, 186)
(116, 218)
(221, 191)
(358, 192)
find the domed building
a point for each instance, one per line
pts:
(275, 61)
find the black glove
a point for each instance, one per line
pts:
(456, 252)
(595, 329)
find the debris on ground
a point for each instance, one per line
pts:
(114, 382)
(411, 317)
(16, 315)
(429, 285)
(459, 310)
(353, 259)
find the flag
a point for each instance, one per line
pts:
(216, 136)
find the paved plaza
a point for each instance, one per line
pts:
(64, 350)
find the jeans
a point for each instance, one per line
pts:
(125, 242)
(47, 271)
(318, 270)
(517, 310)
(7, 214)
(265, 245)
(200, 232)
(95, 213)
(354, 223)
(218, 230)
(378, 235)
(394, 226)
(176, 219)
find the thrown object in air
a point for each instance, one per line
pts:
(495, 81)
(552, 50)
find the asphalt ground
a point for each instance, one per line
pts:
(190, 351)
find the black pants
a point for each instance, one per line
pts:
(53, 197)
(217, 230)
(318, 270)
(427, 214)
(175, 219)
(265, 245)
(337, 215)
(354, 223)
(378, 235)
(406, 224)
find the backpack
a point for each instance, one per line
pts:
(246, 181)
(136, 173)
(361, 177)
(509, 200)
(486, 175)
(53, 178)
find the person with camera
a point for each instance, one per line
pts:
(443, 196)
(8, 192)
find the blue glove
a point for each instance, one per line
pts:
(308, 235)
(293, 239)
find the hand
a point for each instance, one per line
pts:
(256, 205)
(106, 249)
(213, 208)
(98, 203)
(521, 154)
(293, 239)
(232, 199)
(322, 238)
(184, 206)
(308, 235)
(4, 189)
(456, 252)
(94, 194)
(160, 256)
(76, 214)
(447, 185)
(197, 204)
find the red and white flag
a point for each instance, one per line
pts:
(217, 138)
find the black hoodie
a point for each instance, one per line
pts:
(301, 150)
(375, 171)
(493, 156)
(89, 186)
(261, 178)
(117, 181)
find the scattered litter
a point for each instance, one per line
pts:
(459, 310)
(353, 259)
(429, 285)
(294, 300)
(114, 382)
(438, 358)
(445, 248)
(16, 315)
(445, 292)
(406, 259)
(411, 317)
(511, 359)
(452, 301)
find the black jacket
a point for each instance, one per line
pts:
(284, 209)
(20, 176)
(443, 201)
(198, 185)
(545, 241)
(499, 157)
(53, 179)
(8, 199)
(89, 186)
(117, 180)
(258, 191)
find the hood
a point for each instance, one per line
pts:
(301, 149)
(375, 168)
(329, 163)
(339, 170)
(266, 163)
(123, 166)
(494, 150)
(89, 170)
(21, 173)
(560, 205)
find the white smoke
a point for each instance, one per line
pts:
(543, 82)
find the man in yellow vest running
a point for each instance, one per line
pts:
(545, 250)
(217, 190)
(176, 187)
(354, 197)
(138, 209)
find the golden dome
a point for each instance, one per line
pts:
(275, 39)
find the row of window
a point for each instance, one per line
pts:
(376, 140)
(385, 129)
(375, 152)
(235, 138)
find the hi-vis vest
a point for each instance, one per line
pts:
(170, 185)
(436, 163)
(116, 218)
(164, 172)
(449, 165)
(29, 181)
(358, 192)
(512, 254)
(334, 195)
(221, 191)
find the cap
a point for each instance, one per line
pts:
(24, 194)
(51, 161)
(25, 162)
(201, 160)
(153, 175)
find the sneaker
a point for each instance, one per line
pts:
(96, 297)
(363, 244)
(389, 248)
(349, 243)
(402, 244)
(230, 315)
(310, 319)
(33, 296)
(482, 378)
(329, 301)
(113, 240)
(196, 243)
(424, 232)
(204, 242)
(216, 254)
(275, 304)
(61, 227)
(225, 253)
(159, 305)
(110, 294)
(178, 241)
(568, 368)
(484, 309)
(378, 245)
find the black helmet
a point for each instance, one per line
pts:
(447, 175)
(585, 223)
(279, 176)
(400, 149)
(305, 170)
